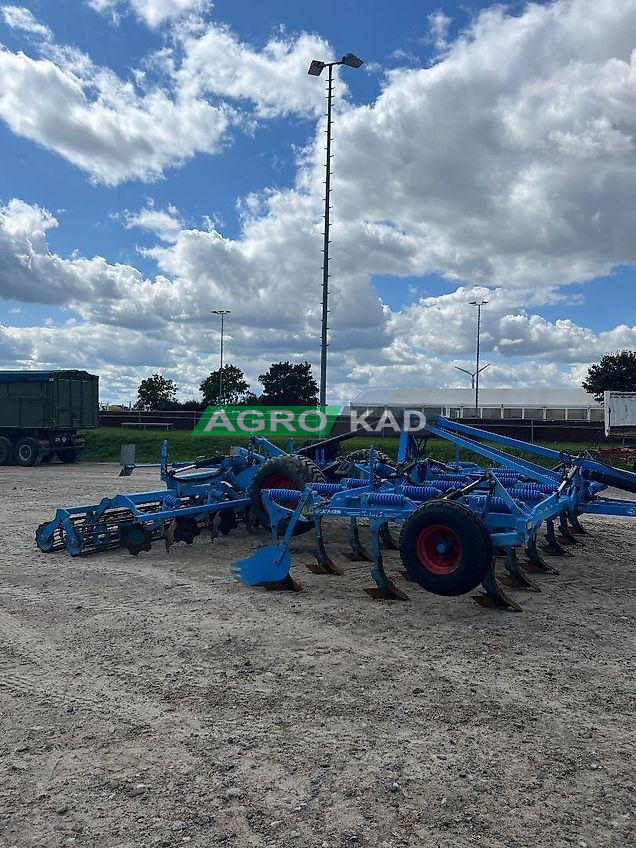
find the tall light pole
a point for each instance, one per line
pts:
(222, 313)
(472, 374)
(315, 69)
(478, 304)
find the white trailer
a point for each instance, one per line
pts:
(620, 413)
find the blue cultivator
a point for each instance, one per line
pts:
(454, 519)
(195, 496)
(217, 492)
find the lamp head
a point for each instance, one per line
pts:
(315, 69)
(351, 60)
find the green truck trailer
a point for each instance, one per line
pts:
(41, 412)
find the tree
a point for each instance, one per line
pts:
(156, 393)
(615, 372)
(289, 385)
(235, 388)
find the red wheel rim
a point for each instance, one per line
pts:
(279, 480)
(439, 549)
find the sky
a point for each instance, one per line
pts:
(163, 158)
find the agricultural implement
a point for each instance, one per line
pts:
(455, 519)
(213, 493)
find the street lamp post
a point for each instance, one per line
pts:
(478, 304)
(222, 313)
(315, 69)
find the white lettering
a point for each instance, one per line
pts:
(302, 420)
(358, 421)
(387, 419)
(409, 427)
(258, 421)
(281, 416)
(219, 419)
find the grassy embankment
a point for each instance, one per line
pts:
(103, 445)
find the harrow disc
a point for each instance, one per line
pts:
(136, 538)
(445, 548)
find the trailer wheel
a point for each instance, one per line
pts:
(26, 452)
(445, 548)
(283, 472)
(6, 451)
(67, 456)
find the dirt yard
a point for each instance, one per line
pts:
(155, 701)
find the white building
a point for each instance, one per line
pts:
(558, 404)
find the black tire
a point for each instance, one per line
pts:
(26, 452)
(283, 472)
(68, 456)
(468, 555)
(6, 451)
(362, 456)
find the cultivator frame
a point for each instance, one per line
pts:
(508, 503)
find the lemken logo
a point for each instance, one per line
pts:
(299, 421)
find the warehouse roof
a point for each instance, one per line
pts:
(562, 396)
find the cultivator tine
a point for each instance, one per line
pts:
(495, 597)
(214, 522)
(169, 535)
(324, 564)
(536, 564)
(553, 545)
(516, 577)
(564, 531)
(576, 526)
(385, 588)
(387, 539)
(357, 552)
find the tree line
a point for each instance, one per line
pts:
(284, 384)
(287, 384)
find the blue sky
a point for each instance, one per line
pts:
(540, 224)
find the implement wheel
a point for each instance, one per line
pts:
(283, 472)
(445, 548)
(362, 457)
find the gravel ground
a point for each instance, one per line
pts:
(155, 701)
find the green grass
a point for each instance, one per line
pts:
(103, 445)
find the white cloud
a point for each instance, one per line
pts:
(152, 12)
(439, 22)
(102, 124)
(274, 79)
(18, 17)
(510, 164)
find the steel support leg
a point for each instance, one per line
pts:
(357, 552)
(536, 564)
(516, 577)
(324, 564)
(385, 588)
(553, 546)
(495, 597)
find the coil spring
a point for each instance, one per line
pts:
(496, 504)
(284, 495)
(326, 488)
(450, 478)
(530, 492)
(421, 493)
(354, 482)
(384, 499)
